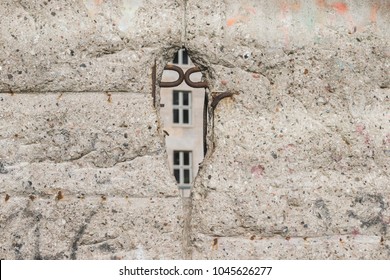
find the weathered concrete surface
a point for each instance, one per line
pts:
(300, 167)
(90, 228)
(82, 159)
(322, 247)
(298, 163)
(84, 45)
(83, 177)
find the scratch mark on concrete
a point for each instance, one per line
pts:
(79, 235)
(323, 212)
(37, 233)
(370, 218)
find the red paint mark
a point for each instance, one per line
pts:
(367, 139)
(287, 147)
(224, 82)
(250, 10)
(355, 232)
(340, 7)
(257, 171)
(290, 146)
(284, 8)
(283, 17)
(360, 128)
(374, 13)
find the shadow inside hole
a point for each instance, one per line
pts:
(183, 111)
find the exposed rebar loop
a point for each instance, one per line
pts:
(185, 77)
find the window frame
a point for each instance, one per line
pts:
(181, 167)
(180, 107)
(180, 56)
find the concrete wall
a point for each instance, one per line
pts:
(298, 159)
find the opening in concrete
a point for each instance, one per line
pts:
(183, 111)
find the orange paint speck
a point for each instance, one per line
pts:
(296, 7)
(340, 7)
(321, 3)
(293, 7)
(231, 21)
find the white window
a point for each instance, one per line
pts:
(182, 168)
(181, 57)
(181, 107)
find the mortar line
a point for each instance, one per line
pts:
(86, 196)
(186, 202)
(184, 25)
(70, 92)
(187, 214)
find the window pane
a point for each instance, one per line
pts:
(175, 98)
(176, 158)
(186, 116)
(185, 57)
(176, 59)
(176, 115)
(186, 96)
(176, 172)
(186, 158)
(187, 179)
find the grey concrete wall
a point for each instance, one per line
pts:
(298, 161)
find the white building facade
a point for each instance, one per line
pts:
(182, 116)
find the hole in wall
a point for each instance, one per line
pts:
(183, 112)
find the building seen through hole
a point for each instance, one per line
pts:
(183, 122)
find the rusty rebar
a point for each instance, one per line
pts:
(178, 81)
